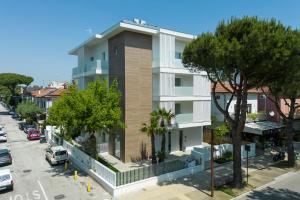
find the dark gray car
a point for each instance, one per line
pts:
(5, 157)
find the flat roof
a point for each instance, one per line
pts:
(260, 126)
(132, 26)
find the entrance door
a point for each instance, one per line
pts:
(181, 140)
(170, 141)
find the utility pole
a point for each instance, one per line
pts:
(212, 162)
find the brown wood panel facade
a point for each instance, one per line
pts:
(130, 62)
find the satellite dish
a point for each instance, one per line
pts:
(272, 113)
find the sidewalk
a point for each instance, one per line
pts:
(196, 187)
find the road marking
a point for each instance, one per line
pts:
(44, 193)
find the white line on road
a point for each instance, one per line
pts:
(44, 193)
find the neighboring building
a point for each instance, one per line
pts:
(223, 97)
(45, 97)
(57, 84)
(146, 61)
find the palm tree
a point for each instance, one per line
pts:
(164, 118)
(151, 129)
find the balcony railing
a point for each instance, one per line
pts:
(183, 91)
(184, 118)
(76, 71)
(95, 67)
(178, 63)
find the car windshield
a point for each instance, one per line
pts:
(2, 134)
(4, 177)
(3, 151)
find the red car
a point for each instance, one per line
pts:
(33, 135)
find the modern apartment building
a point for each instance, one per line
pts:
(146, 61)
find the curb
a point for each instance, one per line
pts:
(276, 179)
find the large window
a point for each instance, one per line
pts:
(177, 82)
(178, 55)
(177, 108)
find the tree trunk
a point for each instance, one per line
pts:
(163, 143)
(153, 152)
(289, 142)
(237, 161)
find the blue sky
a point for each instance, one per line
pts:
(35, 35)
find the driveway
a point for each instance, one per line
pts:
(33, 176)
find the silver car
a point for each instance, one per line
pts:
(6, 180)
(56, 155)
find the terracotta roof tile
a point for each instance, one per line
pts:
(221, 89)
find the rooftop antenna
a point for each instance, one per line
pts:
(89, 30)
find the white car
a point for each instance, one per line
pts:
(56, 155)
(3, 137)
(6, 180)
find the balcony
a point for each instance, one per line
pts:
(178, 63)
(184, 91)
(184, 118)
(91, 68)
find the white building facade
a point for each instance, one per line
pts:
(173, 87)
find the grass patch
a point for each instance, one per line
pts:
(227, 190)
(107, 164)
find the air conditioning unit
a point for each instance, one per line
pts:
(135, 20)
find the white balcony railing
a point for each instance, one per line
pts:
(184, 118)
(178, 63)
(95, 67)
(183, 91)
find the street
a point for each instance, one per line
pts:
(285, 187)
(33, 177)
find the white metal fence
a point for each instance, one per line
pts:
(86, 162)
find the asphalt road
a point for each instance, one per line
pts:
(285, 187)
(34, 178)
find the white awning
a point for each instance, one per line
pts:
(262, 127)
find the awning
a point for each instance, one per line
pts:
(263, 127)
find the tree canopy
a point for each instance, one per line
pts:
(286, 87)
(28, 111)
(95, 109)
(11, 81)
(245, 53)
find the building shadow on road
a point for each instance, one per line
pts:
(59, 170)
(272, 193)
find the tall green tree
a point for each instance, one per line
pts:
(11, 81)
(286, 88)
(29, 111)
(94, 110)
(242, 52)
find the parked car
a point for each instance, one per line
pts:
(11, 112)
(6, 180)
(15, 116)
(22, 125)
(5, 157)
(56, 155)
(33, 135)
(28, 127)
(43, 138)
(3, 137)
(1, 126)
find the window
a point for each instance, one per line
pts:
(177, 108)
(115, 50)
(249, 110)
(177, 82)
(103, 55)
(178, 55)
(92, 59)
